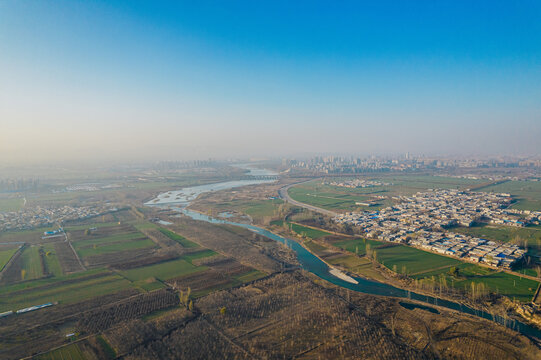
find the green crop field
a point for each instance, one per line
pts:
(502, 233)
(68, 352)
(414, 260)
(89, 240)
(250, 276)
(31, 262)
(199, 255)
(308, 232)
(99, 225)
(52, 260)
(115, 247)
(315, 247)
(178, 238)
(522, 189)
(358, 246)
(57, 290)
(163, 271)
(5, 255)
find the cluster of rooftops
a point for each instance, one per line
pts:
(423, 220)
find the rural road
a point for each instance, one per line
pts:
(285, 196)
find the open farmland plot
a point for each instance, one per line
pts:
(67, 258)
(52, 264)
(308, 232)
(32, 267)
(178, 238)
(65, 290)
(163, 271)
(5, 254)
(110, 240)
(412, 260)
(530, 190)
(358, 246)
(71, 352)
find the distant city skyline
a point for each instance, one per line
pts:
(145, 81)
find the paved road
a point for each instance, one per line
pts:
(284, 195)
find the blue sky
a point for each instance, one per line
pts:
(154, 79)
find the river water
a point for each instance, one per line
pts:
(178, 200)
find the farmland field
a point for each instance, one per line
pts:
(163, 271)
(51, 260)
(31, 263)
(308, 232)
(315, 247)
(178, 238)
(90, 250)
(5, 255)
(357, 246)
(69, 352)
(86, 286)
(414, 260)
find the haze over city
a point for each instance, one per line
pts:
(131, 80)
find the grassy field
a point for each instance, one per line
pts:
(163, 271)
(115, 247)
(51, 260)
(69, 352)
(31, 261)
(178, 238)
(357, 246)
(308, 232)
(250, 276)
(90, 284)
(412, 260)
(502, 233)
(315, 247)
(522, 189)
(199, 255)
(5, 255)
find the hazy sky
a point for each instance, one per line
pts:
(172, 80)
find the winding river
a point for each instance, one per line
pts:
(180, 199)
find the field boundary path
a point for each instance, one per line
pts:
(74, 252)
(283, 192)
